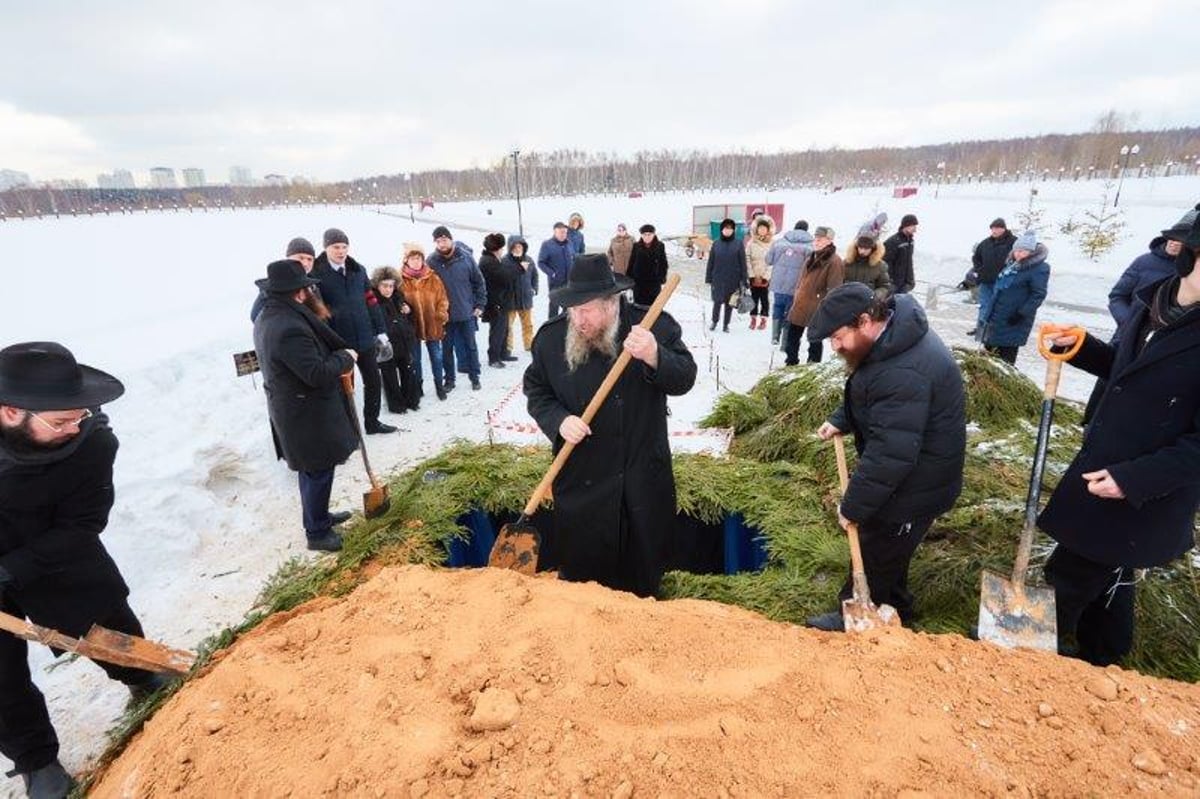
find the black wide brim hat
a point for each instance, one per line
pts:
(590, 278)
(44, 376)
(284, 277)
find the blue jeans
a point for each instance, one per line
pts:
(460, 341)
(314, 501)
(435, 360)
(986, 291)
(783, 302)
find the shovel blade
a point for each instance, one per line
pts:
(516, 548)
(111, 646)
(1017, 616)
(376, 502)
(859, 615)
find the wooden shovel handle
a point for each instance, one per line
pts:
(858, 573)
(610, 380)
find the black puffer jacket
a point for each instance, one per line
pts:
(989, 258)
(906, 407)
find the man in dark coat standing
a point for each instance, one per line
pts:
(344, 284)
(614, 500)
(56, 491)
(1128, 500)
(898, 252)
(905, 405)
(987, 259)
(554, 259)
(302, 362)
(647, 266)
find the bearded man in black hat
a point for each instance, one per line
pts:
(302, 362)
(614, 500)
(56, 490)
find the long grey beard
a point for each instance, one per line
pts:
(579, 349)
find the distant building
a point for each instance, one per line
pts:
(193, 178)
(163, 177)
(240, 176)
(61, 183)
(105, 181)
(301, 180)
(123, 179)
(12, 179)
(275, 180)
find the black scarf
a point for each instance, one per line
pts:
(13, 456)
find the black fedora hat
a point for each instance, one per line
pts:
(1186, 230)
(590, 278)
(284, 277)
(44, 376)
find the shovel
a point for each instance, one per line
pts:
(1011, 613)
(518, 543)
(108, 645)
(859, 613)
(375, 501)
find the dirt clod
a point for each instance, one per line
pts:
(1102, 687)
(1149, 762)
(496, 709)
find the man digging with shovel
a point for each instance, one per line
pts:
(904, 403)
(56, 490)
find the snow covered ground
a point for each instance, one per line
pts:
(204, 512)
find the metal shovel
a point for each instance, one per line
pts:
(104, 644)
(859, 613)
(1011, 613)
(376, 501)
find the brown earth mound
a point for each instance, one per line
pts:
(486, 683)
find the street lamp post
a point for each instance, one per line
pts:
(408, 182)
(941, 167)
(517, 184)
(1128, 152)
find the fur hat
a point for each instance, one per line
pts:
(299, 246)
(647, 228)
(334, 236)
(493, 242)
(384, 273)
(1026, 241)
(441, 232)
(409, 248)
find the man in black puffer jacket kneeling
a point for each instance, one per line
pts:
(905, 405)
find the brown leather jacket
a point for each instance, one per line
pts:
(823, 270)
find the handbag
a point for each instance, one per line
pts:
(742, 301)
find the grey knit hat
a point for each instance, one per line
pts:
(335, 236)
(299, 246)
(1026, 241)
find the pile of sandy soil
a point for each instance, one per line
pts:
(486, 683)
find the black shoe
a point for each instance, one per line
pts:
(448, 386)
(441, 392)
(340, 517)
(330, 542)
(830, 622)
(510, 358)
(379, 427)
(475, 385)
(140, 692)
(713, 326)
(496, 364)
(725, 328)
(398, 409)
(48, 782)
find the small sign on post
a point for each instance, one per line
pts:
(246, 363)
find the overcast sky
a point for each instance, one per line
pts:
(338, 90)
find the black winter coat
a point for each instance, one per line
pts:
(344, 296)
(302, 365)
(906, 407)
(648, 264)
(898, 252)
(501, 281)
(989, 258)
(726, 271)
(614, 500)
(397, 325)
(51, 518)
(1146, 432)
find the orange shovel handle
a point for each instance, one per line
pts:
(1080, 333)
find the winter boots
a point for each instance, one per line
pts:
(758, 322)
(48, 782)
(441, 392)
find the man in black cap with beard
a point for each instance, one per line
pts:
(56, 491)
(614, 500)
(905, 405)
(302, 362)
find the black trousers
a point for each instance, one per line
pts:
(646, 293)
(27, 737)
(762, 303)
(372, 383)
(1006, 354)
(1094, 603)
(390, 372)
(717, 306)
(792, 346)
(887, 550)
(498, 337)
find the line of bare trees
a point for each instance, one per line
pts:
(1084, 156)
